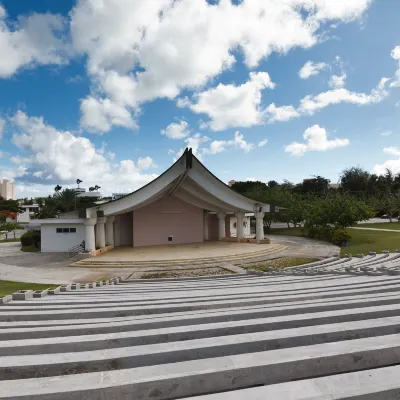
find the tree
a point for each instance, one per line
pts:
(355, 180)
(388, 203)
(244, 187)
(10, 206)
(8, 227)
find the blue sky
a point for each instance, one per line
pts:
(111, 92)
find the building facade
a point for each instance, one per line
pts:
(7, 190)
(186, 204)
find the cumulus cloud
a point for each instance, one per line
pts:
(32, 40)
(99, 115)
(238, 141)
(396, 56)
(337, 81)
(392, 150)
(281, 113)
(309, 105)
(176, 130)
(2, 125)
(262, 143)
(140, 43)
(310, 69)
(233, 106)
(316, 139)
(61, 156)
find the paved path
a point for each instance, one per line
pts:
(374, 229)
(54, 267)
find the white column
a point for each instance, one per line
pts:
(110, 231)
(259, 225)
(100, 232)
(90, 244)
(239, 225)
(221, 225)
(205, 225)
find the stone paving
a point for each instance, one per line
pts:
(326, 330)
(54, 267)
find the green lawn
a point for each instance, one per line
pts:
(382, 225)
(30, 249)
(9, 287)
(286, 231)
(9, 240)
(361, 241)
(282, 262)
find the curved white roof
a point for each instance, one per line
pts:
(189, 180)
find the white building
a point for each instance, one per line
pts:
(7, 190)
(185, 204)
(28, 213)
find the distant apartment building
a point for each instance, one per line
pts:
(7, 189)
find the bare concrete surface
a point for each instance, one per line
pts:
(238, 336)
(54, 267)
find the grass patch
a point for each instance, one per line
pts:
(381, 225)
(361, 241)
(286, 231)
(9, 287)
(30, 249)
(9, 240)
(183, 273)
(282, 262)
(365, 241)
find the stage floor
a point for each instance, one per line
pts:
(182, 253)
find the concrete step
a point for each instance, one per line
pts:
(257, 332)
(127, 310)
(373, 384)
(195, 261)
(195, 377)
(276, 297)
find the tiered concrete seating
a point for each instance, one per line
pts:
(373, 264)
(234, 337)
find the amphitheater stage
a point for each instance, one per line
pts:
(178, 255)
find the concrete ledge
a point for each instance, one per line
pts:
(54, 291)
(65, 288)
(5, 299)
(40, 293)
(23, 295)
(101, 251)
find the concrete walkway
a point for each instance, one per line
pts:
(374, 229)
(54, 267)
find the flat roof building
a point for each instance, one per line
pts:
(7, 190)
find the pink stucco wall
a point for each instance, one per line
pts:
(167, 217)
(212, 227)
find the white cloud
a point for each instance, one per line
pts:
(233, 106)
(392, 165)
(386, 133)
(309, 105)
(2, 126)
(146, 163)
(141, 42)
(281, 113)
(310, 69)
(337, 81)
(316, 140)
(392, 150)
(61, 156)
(396, 56)
(262, 143)
(176, 130)
(99, 115)
(31, 40)
(238, 141)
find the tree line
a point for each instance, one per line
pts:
(323, 210)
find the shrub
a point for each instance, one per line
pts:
(26, 239)
(340, 236)
(36, 238)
